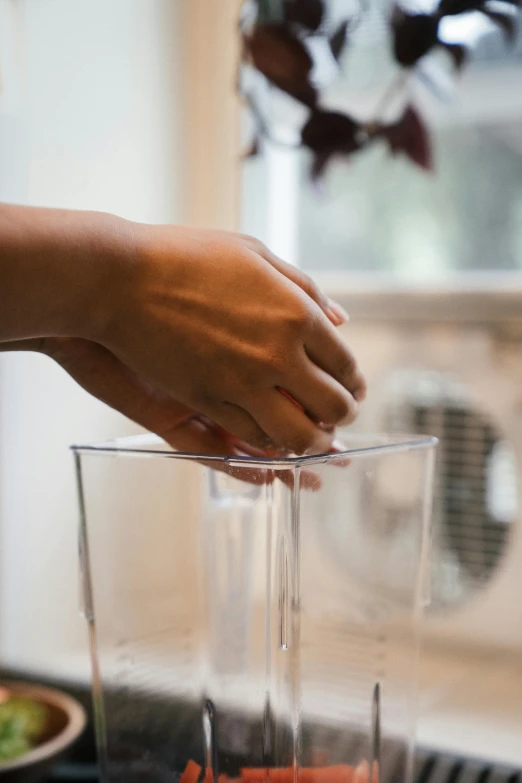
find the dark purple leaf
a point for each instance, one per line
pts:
(453, 7)
(319, 165)
(253, 150)
(458, 54)
(328, 133)
(308, 13)
(505, 21)
(338, 40)
(413, 35)
(409, 136)
(280, 56)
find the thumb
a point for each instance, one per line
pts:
(104, 376)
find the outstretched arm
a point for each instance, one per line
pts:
(210, 321)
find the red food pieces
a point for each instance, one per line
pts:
(339, 773)
(191, 773)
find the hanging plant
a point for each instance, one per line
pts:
(285, 42)
(415, 35)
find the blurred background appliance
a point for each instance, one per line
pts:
(450, 362)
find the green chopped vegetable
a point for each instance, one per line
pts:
(22, 722)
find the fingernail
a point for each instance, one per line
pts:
(334, 317)
(329, 428)
(338, 310)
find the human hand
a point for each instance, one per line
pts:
(105, 377)
(211, 319)
(218, 323)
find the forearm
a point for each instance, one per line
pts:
(33, 344)
(56, 271)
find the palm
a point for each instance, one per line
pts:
(104, 376)
(107, 378)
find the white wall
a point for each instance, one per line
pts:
(89, 118)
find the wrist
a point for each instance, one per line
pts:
(106, 269)
(146, 261)
(58, 269)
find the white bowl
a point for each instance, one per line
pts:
(66, 722)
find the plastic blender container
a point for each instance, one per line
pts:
(255, 620)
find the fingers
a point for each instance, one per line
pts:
(333, 311)
(338, 448)
(308, 479)
(287, 425)
(204, 436)
(323, 398)
(104, 376)
(327, 350)
(339, 312)
(196, 436)
(239, 423)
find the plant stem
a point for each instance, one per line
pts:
(395, 86)
(262, 126)
(270, 10)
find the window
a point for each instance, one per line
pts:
(380, 214)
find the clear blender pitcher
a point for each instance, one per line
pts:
(255, 621)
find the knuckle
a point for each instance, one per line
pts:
(254, 244)
(273, 361)
(260, 248)
(302, 318)
(247, 238)
(347, 368)
(311, 288)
